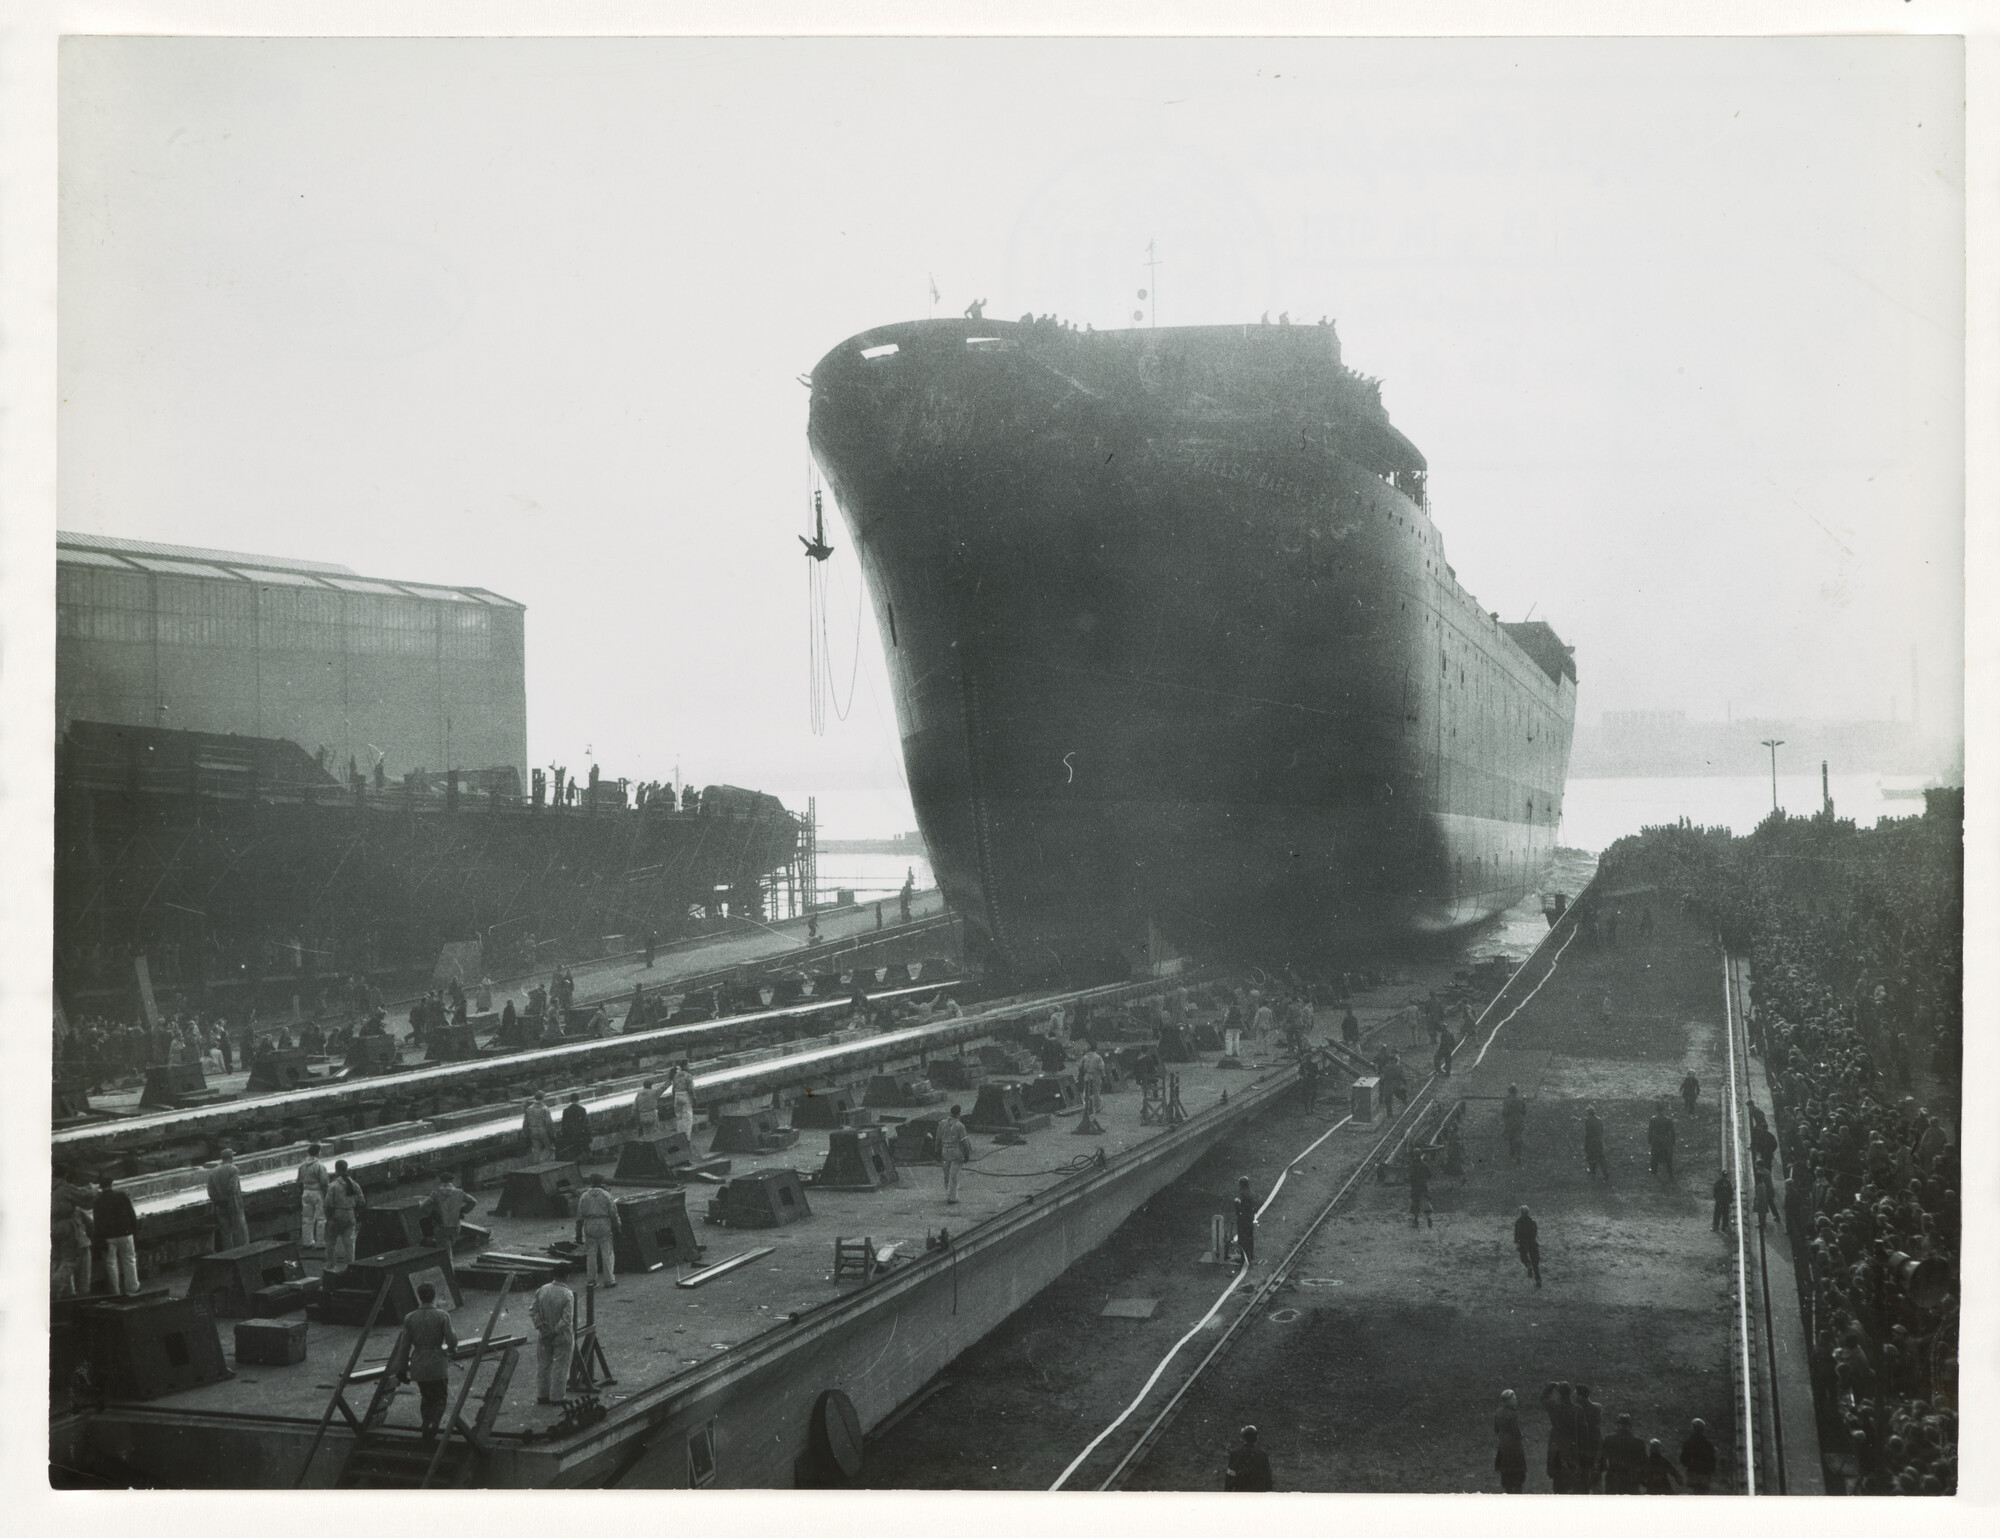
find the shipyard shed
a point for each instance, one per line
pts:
(154, 635)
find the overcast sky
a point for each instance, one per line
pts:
(1677, 324)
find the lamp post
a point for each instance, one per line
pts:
(1774, 743)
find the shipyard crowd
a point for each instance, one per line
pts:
(1583, 1458)
(97, 1053)
(1855, 942)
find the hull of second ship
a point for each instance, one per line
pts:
(1152, 694)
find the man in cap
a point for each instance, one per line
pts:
(1698, 1458)
(225, 1200)
(954, 1146)
(1767, 1198)
(1527, 1244)
(596, 1230)
(683, 1082)
(446, 1207)
(553, 1314)
(1623, 1458)
(344, 1202)
(540, 1129)
(573, 1142)
(118, 1226)
(1249, 1465)
(1661, 1134)
(647, 1104)
(313, 1182)
(1091, 1071)
(425, 1351)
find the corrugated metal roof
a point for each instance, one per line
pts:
(189, 552)
(148, 555)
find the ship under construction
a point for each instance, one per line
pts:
(1178, 659)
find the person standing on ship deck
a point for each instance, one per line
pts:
(540, 1128)
(225, 1200)
(312, 1200)
(1091, 1071)
(425, 1357)
(344, 1202)
(118, 1226)
(553, 1314)
(596, 1226)
(446, 1207)
(646, 1103)
(953, 1150)
(573, 1140)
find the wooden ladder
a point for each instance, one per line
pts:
(496, 1391)
(378, 1407)
(385, 1456)
(396, 1458)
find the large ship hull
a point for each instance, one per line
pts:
(1177, 658)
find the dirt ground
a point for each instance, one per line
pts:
(1379, 1365)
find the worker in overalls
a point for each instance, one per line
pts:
(553, 1314)
(539, 1127)
(646, 1103)
(313, 1183)
(1091, 1071)
(596, 1228)
(446, 1207)
(954, 1148)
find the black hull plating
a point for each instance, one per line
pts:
(1177, 657)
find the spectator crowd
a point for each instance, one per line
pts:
(1855, 940)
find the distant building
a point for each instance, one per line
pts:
(1668, 742)
(344, 665)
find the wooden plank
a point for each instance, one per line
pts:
(465, 1349)
(709, 1273)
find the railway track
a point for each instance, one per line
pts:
(1760, 1437)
